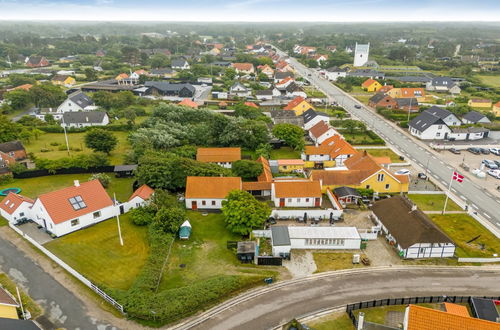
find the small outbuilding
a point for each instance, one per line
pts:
(246, 251)
(347, 195)
(185, 230)
(122, 171)
(484, 309)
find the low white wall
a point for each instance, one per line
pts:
(262, 233)
(478, 259)
(324, 214)
(369, 234)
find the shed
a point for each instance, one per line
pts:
(347, 195)
(484, 309)
(246, 251)
(185, 230)
(125, 170)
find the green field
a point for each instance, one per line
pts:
(433, 202)
(205, 254)
(337, 321)
(383, 153)
(97, 254)
(333, 261)
(76, 141)
(462, 228)
(493, 81)
(33, 187)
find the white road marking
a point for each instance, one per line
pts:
(487, 215)
(475, 206)
(463, 197)
(498, 224)
(453, 189)
(443, 182)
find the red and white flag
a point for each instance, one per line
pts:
(457, 177)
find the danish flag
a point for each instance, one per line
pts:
(457, 177)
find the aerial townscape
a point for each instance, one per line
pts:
(249, 165)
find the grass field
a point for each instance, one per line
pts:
(205, 254)
(33, 187)
(333, 261)
(97, 254)
(76, 141)
(337, 321)
(285, 153)
(359, 139)
(383, 153)
(462, 228)
(493, 81)
(433, 202)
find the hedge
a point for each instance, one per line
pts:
(59, 129)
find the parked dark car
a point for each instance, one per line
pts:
(357, 106)
(484, 151)
(475, 151)
(497, 162)
(422, 176)
(454, 151)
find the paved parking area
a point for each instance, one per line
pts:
(39, 235)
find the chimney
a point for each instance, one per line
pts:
(361, 321)
(77, 183)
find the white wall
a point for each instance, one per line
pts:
(333, 76)
(316, 120)
(208, 203)
(69, 106)
(331, 132)
(452, 120)
(16, 215)
(296, 201)
(316, 158)
(133, 203)
(323, 214)
(428, 250)
(431, 133)
(337, 244)
(103, 123)
(281, 249)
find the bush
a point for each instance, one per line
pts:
(96, 159)
(142, 216)
(55, 144)
(103, 178)
(6, 178)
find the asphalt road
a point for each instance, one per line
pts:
(61, 306)
(477, 198)
(275, 306)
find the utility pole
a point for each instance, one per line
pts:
(118, 222)
(65, 134)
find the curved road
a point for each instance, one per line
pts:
(480, 200)
(268, 307)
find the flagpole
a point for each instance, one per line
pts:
(447, 194)
(118, 222)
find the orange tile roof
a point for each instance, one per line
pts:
(284, 81)
(410, 92)
(282, 162)
(26, 87)
(143, 192)
(267, 175)
(385, 88)
(368, 82)
(497, 104)
(60, 209)
(215, 155)
(211, 187)
(362, 161)
(188, 103)
(141, 72)
(243, 66)
(121, 76)
(251, 104)
(382, 160)
(456, 309)
(259, 185)
(421, 318)
(293, 103)
(319, 129)
(338, 177)
(12, 201)
(287, 189)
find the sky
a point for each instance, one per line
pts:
(251, 10)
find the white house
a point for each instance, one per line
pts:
(224, 157)
(84, 119)
(64, 211)
(447, 116)
(296, 193)
(77, 101)
(443, 84)
(284, 239)
(312, 117)
(140, 197)
(410, 231)
(332, 149)
(15, 207)
(468, 133)
(321, 131)
(239, 90)
(209, 192)
(334, 73)
(180, 64)
(474, 117)
(427, 126)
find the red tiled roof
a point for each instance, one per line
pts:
(319, 129)
(259, 185)
(215, 155)
(368, 82)
(143, 192)
(60, 209)
(456, 309)
(12, 201)
(243, 66)
(188, 103)
(266, 175)
(293, 103)
(299, 162)
(288, 189)
(211, 187)
(284, 81)
(26, 87)
(251, 104)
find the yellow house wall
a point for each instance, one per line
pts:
(374, 87)
(326, 163)
(480, 104)
(395, 186)
(8, 312)
(302, 107)
(496, 111)
(291, 168)
(69, 81)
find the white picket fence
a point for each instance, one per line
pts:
(261, 233)
(70, 270)
(482, 260)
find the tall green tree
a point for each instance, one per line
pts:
(247, 169)
(243, 213)
(169, 219)
(98, 139)
(292, 135)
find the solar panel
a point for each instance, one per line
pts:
(77, 203)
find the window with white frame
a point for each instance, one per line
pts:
(75, 222)
(380, 177)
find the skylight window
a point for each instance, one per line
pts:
(77, 203)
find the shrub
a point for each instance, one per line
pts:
(55, 144)
(6, 178)
(142, 216)
(103, 178)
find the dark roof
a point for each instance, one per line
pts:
(13, 324)
(246, 247)
(408, 226)
(264, 92)
(346, 191)
(279, 113)
(403, 102)
(280, 235)
(125, 168)
(82, 117)
(166, 87)
(443, 81)
(282, 75)
(11, 146)
(411, 79)
(81, 99)
(6, 298)
(162, 71)
(309, 115)
(485, 309)
(439, 112)
(474, 116)
(336, 69)
(35, 59)
(221, 63)
(179, 62)
(293, 87)
(377, 97)
(366, 73)
(424, 121)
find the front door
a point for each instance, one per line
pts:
(194, 205)
(122, 209)
(317, 202)
(282, 202)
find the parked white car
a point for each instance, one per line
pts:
(494, 173)
(495, 151)
(403, 172)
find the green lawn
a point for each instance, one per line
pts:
(462, 228)
(76, 142)
(285, 153)
(493, 80)
(378, 314)
(205, 254)
(96, 252)
(33, 187)
(333, 321)
(433, 202)
(363, 98)
(360, 139)
(383, 153)
(314, 93)
(333, 261)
